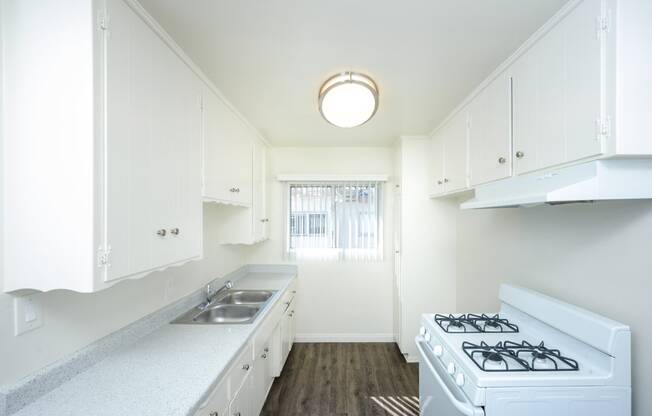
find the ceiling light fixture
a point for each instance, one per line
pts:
(348, 99)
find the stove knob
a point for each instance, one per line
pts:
(422, 331)
(427, 337)
(451, 368)
(459, 379)
(438, 350)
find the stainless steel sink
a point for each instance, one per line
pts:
(227, 314)
(245, 296)
(232, 307)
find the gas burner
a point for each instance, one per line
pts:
(452, 323)
(474, 323)
(511, 356)
(492, 323)
(494, 358)
(542, 358)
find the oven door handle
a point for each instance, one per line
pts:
(465, 407)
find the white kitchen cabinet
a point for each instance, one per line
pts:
(250, 224)
(449, 160)
(436, 165)
(490, 137)
(456, 153)
(242, 404)
(557, 93)
(262, 377)
(260, 226)
(102, 167)
(228, 154)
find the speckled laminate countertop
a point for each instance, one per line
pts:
(168, 372)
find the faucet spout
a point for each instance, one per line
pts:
(210, 295)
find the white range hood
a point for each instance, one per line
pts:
(610, 179)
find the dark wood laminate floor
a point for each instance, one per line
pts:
(352, 379)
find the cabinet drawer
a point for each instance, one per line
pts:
(242, 367)
(218, 403)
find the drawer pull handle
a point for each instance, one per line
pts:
(245, 367)
(161, 233)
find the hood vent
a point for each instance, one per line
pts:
(613, 179)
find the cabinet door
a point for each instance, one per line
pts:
(455, 153)
(583, 80)
(437, 163)
(261, 380)
(228, 154)
(490, 132)
(153, 121)
(174, 166)
(259, 209)
(538, 105)
(129, 142)
(241, 405)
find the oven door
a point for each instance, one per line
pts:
(438, 394)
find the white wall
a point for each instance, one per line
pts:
(73, 320)
(338, 300)
(597, 256)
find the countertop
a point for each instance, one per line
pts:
(170, 371)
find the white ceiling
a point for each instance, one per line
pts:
(269, 57)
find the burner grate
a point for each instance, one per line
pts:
(474, 323)
(512, 356)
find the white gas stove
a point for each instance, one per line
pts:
(537, 357)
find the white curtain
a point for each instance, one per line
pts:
(334, 220)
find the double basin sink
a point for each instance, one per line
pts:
(229, 307)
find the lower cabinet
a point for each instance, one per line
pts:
(244, 388)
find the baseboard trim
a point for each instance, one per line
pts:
(344, 338)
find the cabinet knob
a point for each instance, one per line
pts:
(237, 414)
(264, 356)
(246, 367)
(235, 190)
(174, 231)
(266, 349)
(502, 160)
(439, 182)
(519, 154)
(213, 414)
(161, 232)
(446, 180)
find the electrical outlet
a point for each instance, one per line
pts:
(28, 314)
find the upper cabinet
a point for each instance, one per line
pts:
(490, 132)
(572, 93)
(228, 154)
(557, 94)
(449, 156)
(151, 148)
(103, 171)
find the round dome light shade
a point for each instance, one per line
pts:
(348, 99)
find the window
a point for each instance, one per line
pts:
(335, 220)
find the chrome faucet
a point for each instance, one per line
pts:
(210, 295)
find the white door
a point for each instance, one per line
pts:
(583, 80)
(259, 217)
(455, 153)
(437, 163)
(490, 132)
(397, 264)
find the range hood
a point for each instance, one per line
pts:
(610, 179)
